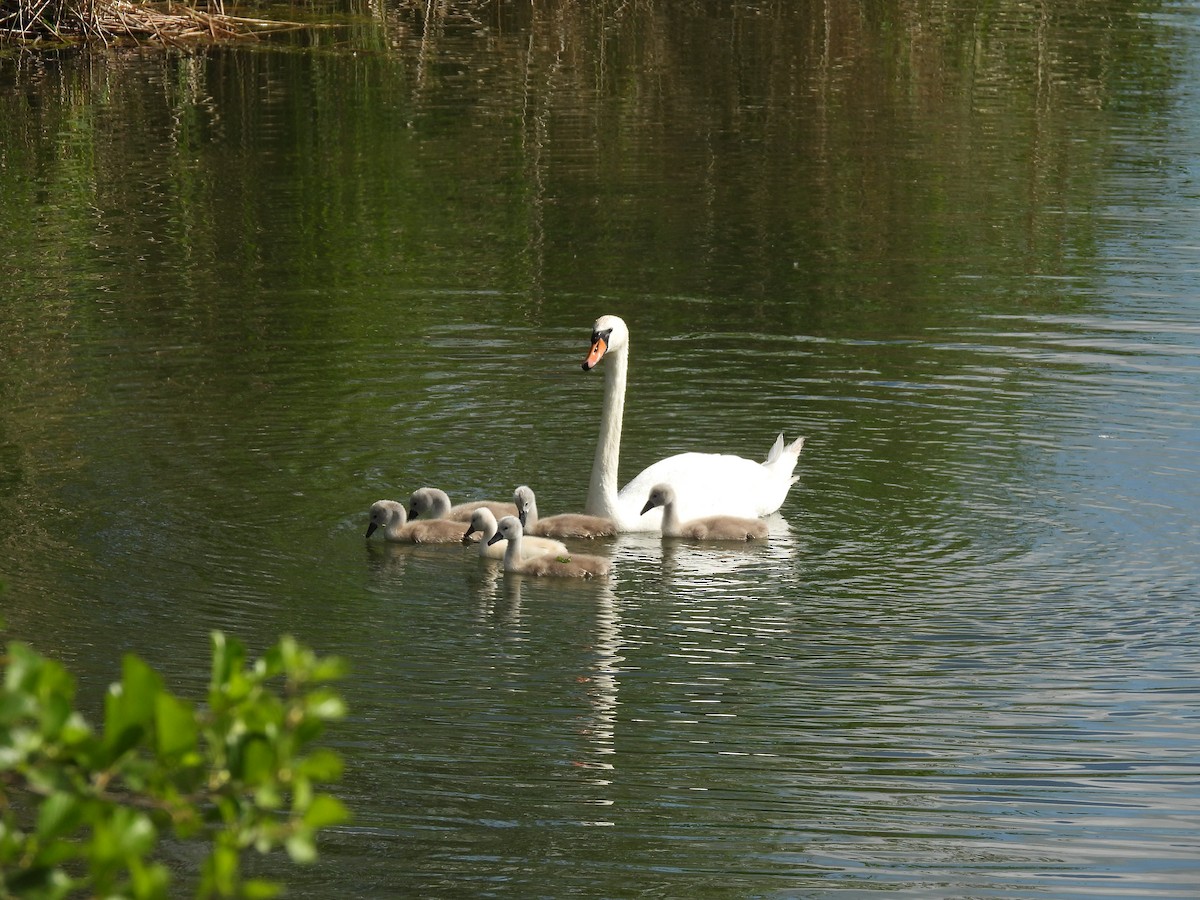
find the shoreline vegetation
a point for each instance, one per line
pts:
(64, 22)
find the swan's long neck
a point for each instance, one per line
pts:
(486, 533)
(602, 490)
(670, 520)
(439, 505)
(512, 553)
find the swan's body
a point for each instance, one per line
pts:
(434, 503)
(573, 525)
(706, 484)
(708, 528)
(572, 566)
(484, 522)
(390, 516)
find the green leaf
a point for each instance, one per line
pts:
(119, 733)
(142, 684)
(59, 815)
(325, 705)
(174, 725)
(325, 810)
(321, 765)
(233, 769)
(330, 668)
(229, 656)
(268, 796)
(221, 869)
(75, 730)
(24, 664)
(292, 655)
(123, 835)
(56, 711)
(301, 848)
(129, 706)
(149, 882)
(258, 889)
(257, 757)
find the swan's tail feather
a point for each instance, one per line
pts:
(780, 464)
(776, 449)
(779, 451)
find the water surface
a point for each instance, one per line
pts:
(251, 290)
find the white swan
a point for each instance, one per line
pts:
(575, 565)
(434, 503)
(706, 484)
(484, 522)
(708, 528)
(574, 525)
(390, 516)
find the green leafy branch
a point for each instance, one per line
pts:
(83, 811)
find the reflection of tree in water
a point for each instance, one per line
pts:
(827, 133)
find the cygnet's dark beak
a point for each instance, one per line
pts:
(466, 538)
(413, 512)
(495, 537)
(371, 528)
(650, 504)
(521, 513)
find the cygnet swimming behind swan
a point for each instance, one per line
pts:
(708, 528)
(390, 516)
(434, 503)
(576, 565)
(484, 522)
(574, 525)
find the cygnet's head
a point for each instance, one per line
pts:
(524, 501)
(660, 495)
(382, 512)
(483, 520)
(609, 335)
(429, 502)
(507, 529)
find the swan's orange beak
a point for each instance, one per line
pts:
(599, 347)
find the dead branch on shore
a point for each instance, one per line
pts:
(109, 21)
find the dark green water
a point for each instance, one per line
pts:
(248, 291)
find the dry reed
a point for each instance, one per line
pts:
(109, 21)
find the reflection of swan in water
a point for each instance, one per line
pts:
(642, 554)
(389, 562)
(704, 565)
(386, 561)
(496, 599)
(599, 727)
